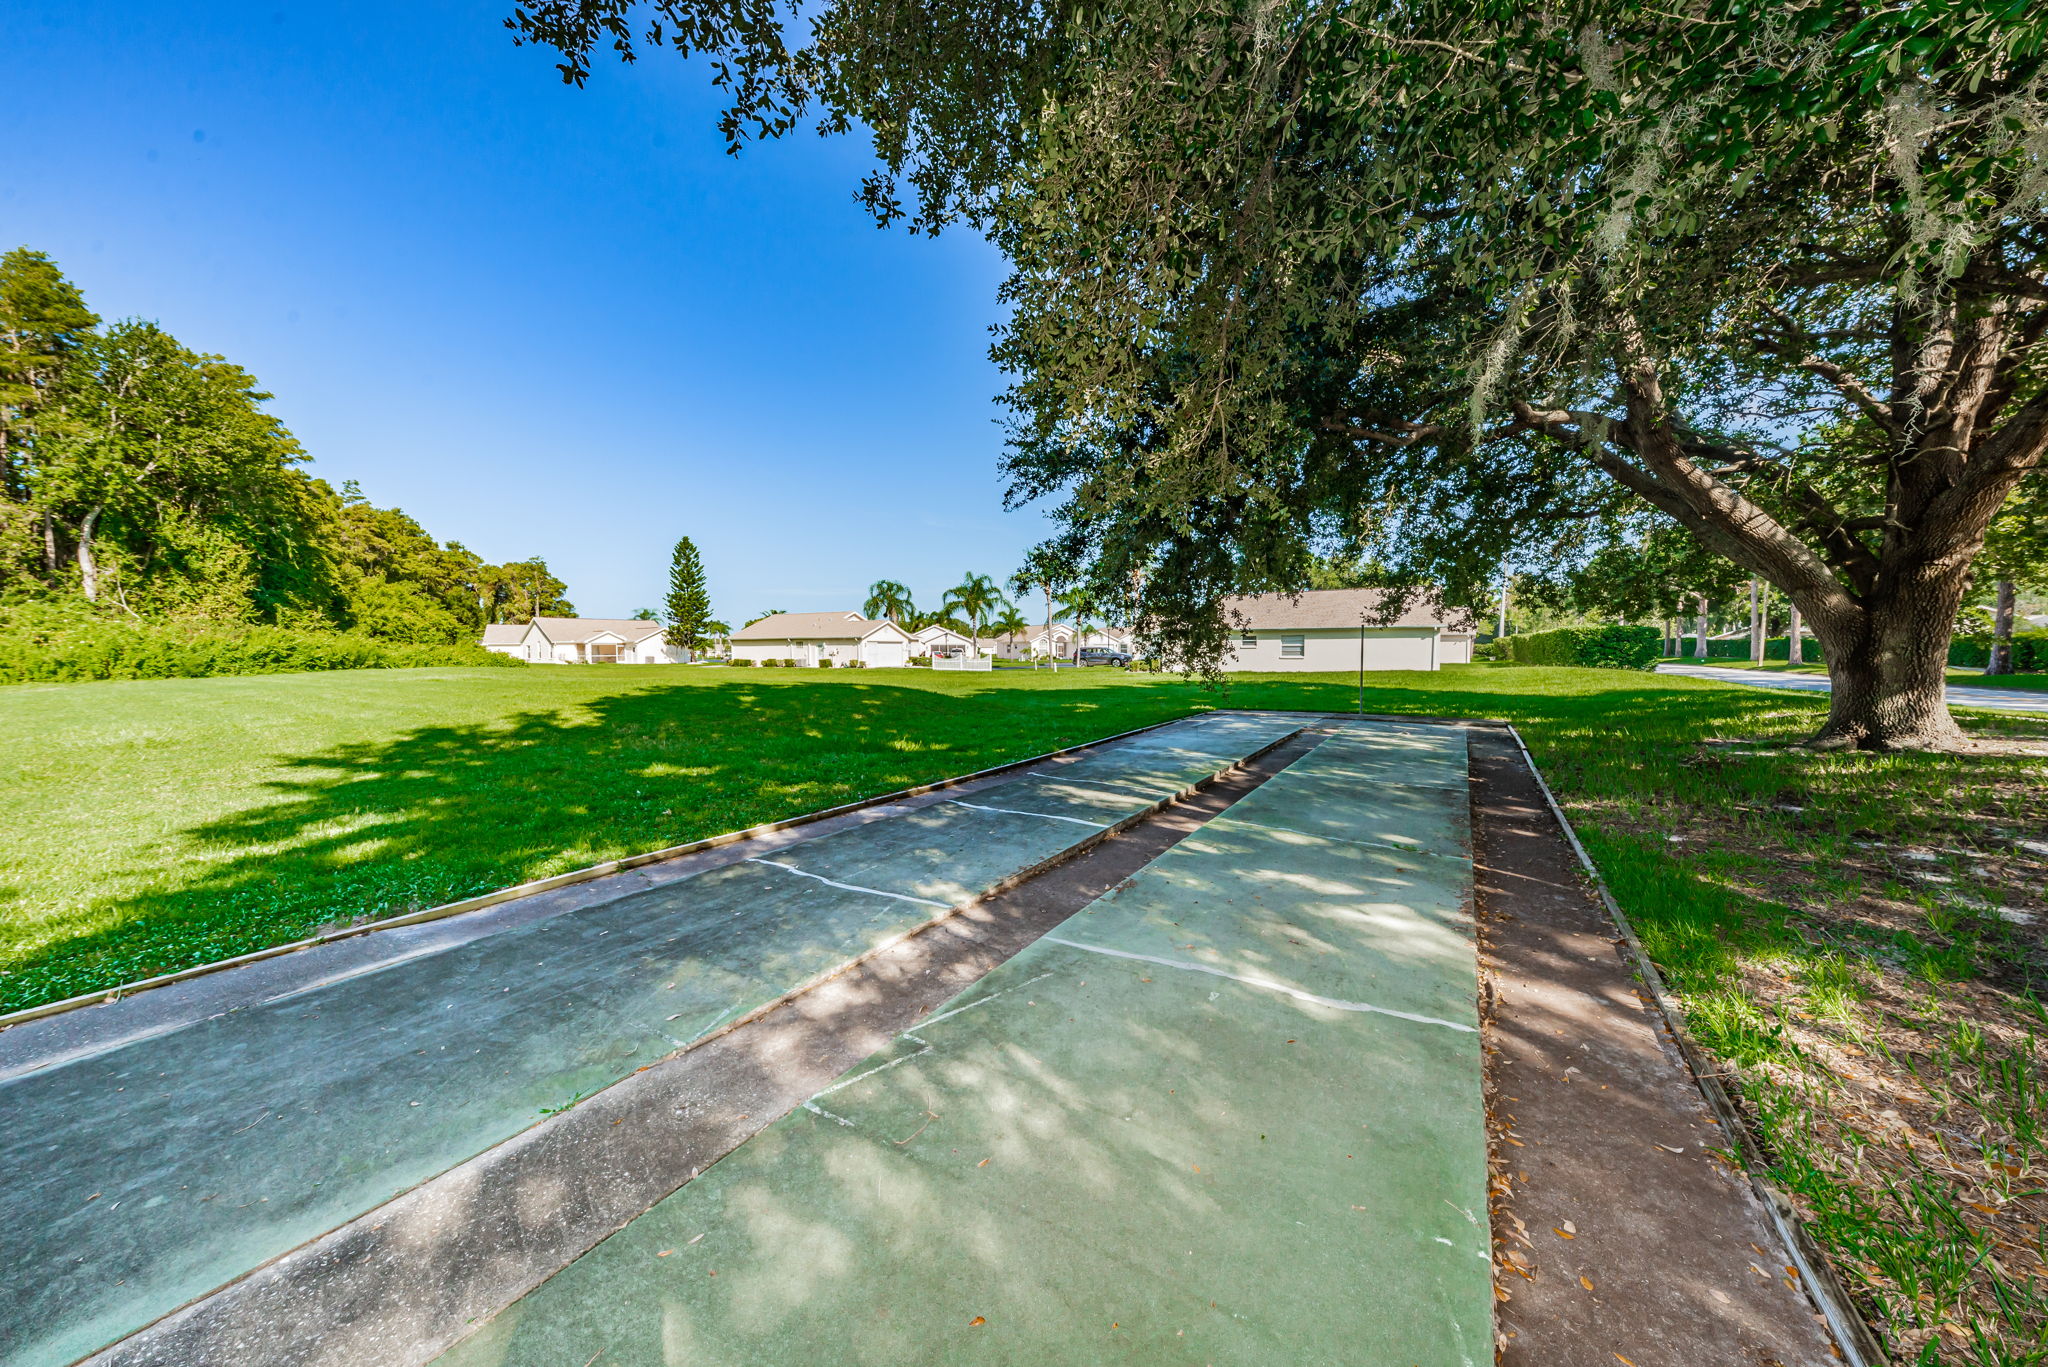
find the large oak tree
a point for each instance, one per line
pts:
(1446, 280)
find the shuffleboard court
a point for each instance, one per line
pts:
(1229, 1113)
(140, 1177)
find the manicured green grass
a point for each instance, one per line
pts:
(1974, 678)
(1846, 930)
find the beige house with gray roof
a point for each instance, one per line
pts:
(843, 638)
(1328, 630)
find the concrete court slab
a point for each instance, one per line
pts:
(145, 1175)
(1097, 1157)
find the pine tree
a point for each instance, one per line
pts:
(688, 606)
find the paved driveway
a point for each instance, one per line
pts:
(1998, 699)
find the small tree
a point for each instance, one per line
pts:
(688, 605)
(887, 598)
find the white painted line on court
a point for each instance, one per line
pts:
(1325, 835)
(849, 887)
(857, 1077)
(1012, 811)
(978, 1001)
(1266, 983)
(820, 1110)
(1121, 791)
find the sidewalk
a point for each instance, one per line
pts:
(1959, 695)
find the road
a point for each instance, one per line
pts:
(1997, 699)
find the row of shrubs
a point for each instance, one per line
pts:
(2029, 652)
(48, 643)
(1589, 647)
(738, 663)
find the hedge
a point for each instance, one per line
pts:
(43, 643)
(1737, 648)
(2029, 652)
(1590, 647)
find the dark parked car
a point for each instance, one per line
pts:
(1102, 655)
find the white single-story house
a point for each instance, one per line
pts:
(584, 640)
(1328, 630)
(808, 637)
(1060, 640)
(944, 643)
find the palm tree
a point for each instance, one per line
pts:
(1009, 623)
(1077, 605)
(1043, 572)
(887, 598)
(974, 597)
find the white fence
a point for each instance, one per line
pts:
(981, 662)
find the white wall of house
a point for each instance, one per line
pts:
(1327, 650)
(1454, 648)
(880, 651)
(652, 650)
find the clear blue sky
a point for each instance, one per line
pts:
(541, 320)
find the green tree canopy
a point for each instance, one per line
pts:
(1448, 281)
(887, 598)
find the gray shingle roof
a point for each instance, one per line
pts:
(504, 633)
(811, 626)
(1323, 608)
(568, 630)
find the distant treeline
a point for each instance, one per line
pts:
(143, 482)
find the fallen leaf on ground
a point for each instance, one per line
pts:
(976, 1322)
(664, 1253)
(1585, 1283)
(1561, 1233)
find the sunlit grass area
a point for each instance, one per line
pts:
(1858, 938)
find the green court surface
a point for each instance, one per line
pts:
(1229, 1113)
(144, 1175)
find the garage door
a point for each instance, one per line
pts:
(883, 655)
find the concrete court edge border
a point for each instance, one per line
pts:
(837, 970)
(573, 876)
(1853, 1334)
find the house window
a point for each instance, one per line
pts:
(1247, 639)
(1293, 647)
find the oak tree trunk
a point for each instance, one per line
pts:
(1888, 674)
(2001, 631)
(1793, 654)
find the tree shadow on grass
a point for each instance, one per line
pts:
(365, 831)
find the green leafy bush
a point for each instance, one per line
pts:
(740, 662)
(2029, 652)
(1589, 647)
(825, 663)
(42, 642)
(920, 661)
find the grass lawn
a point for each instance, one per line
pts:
(1858, 938)
(1973, 678)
